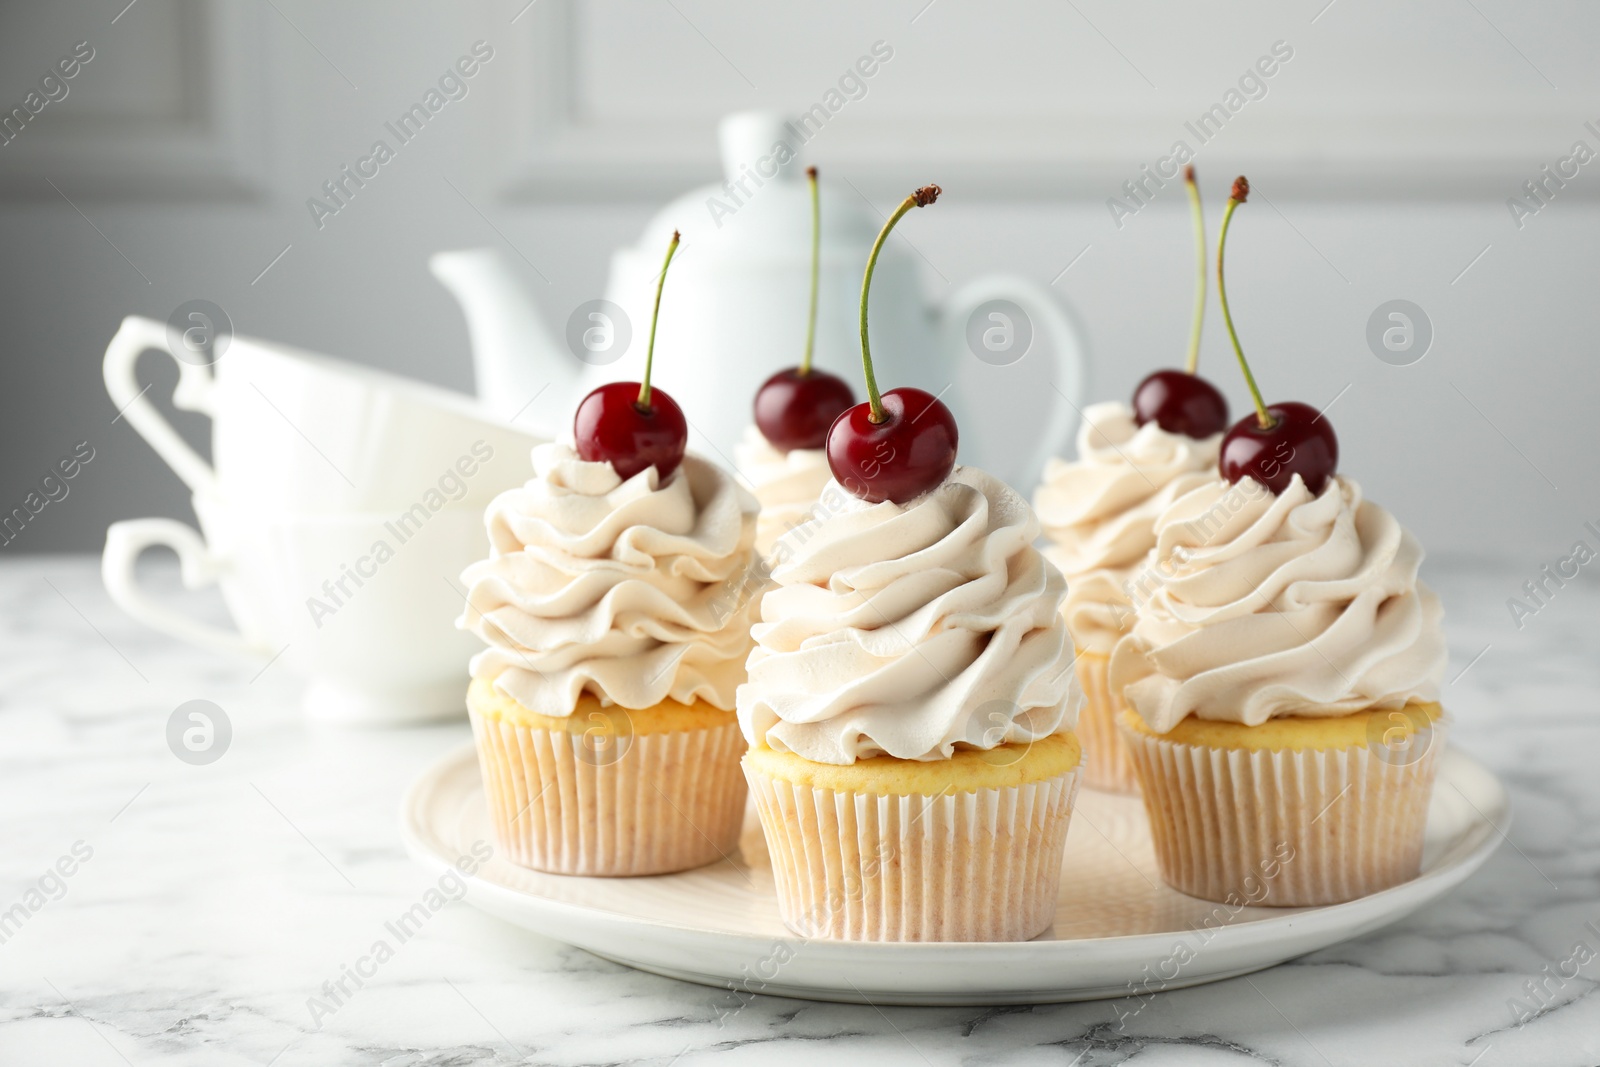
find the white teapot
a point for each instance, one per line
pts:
(734, 312)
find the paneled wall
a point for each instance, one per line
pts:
(1384, 139)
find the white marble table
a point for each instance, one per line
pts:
(216, 900)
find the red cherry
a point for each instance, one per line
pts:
(1299, 441)
(613, 427)
(1180, 402)
(1274, 443)
(899, 444)
(794, 408)
(629, 424)
(910, 452)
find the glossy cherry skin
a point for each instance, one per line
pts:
(900, 458)
(1180, 402)
(795, 410)
(611, 427)
(1299, 442)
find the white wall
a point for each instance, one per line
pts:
(1384, 150)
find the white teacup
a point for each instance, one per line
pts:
(306, 433)
(361, 605)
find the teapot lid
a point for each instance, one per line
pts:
(762, 208)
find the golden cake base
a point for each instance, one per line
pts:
(609, 790)
(966, 849)
(1298, 811)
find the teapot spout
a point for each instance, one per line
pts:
(515, 357)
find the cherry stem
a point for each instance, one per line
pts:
(921, 198)
(650, 353)
(816, 255)
(1200, 267)
(1241, 189)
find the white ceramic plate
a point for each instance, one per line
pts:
(1118, 931)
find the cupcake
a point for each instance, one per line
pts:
(783, 455)
(1282, 682)
(911, 699)
(1282, 675)
(617, 632)
(616, 604)
(1099, 514)
(909, 713)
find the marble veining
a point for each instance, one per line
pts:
(216, 902)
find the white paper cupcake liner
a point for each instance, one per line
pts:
(1288, 829)
(666, 802)
(1106, 763)
(975, 866)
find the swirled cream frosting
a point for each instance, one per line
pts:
(908, 630)
(1255, 606)
(1099, 512)
(787, 484)
(636, 591)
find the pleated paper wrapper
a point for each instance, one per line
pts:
(1107, 765)
(973, 866)
(658, 803)
(1288, 829)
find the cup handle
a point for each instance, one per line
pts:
(1066, 342)
(193, 393)
(198, 567)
